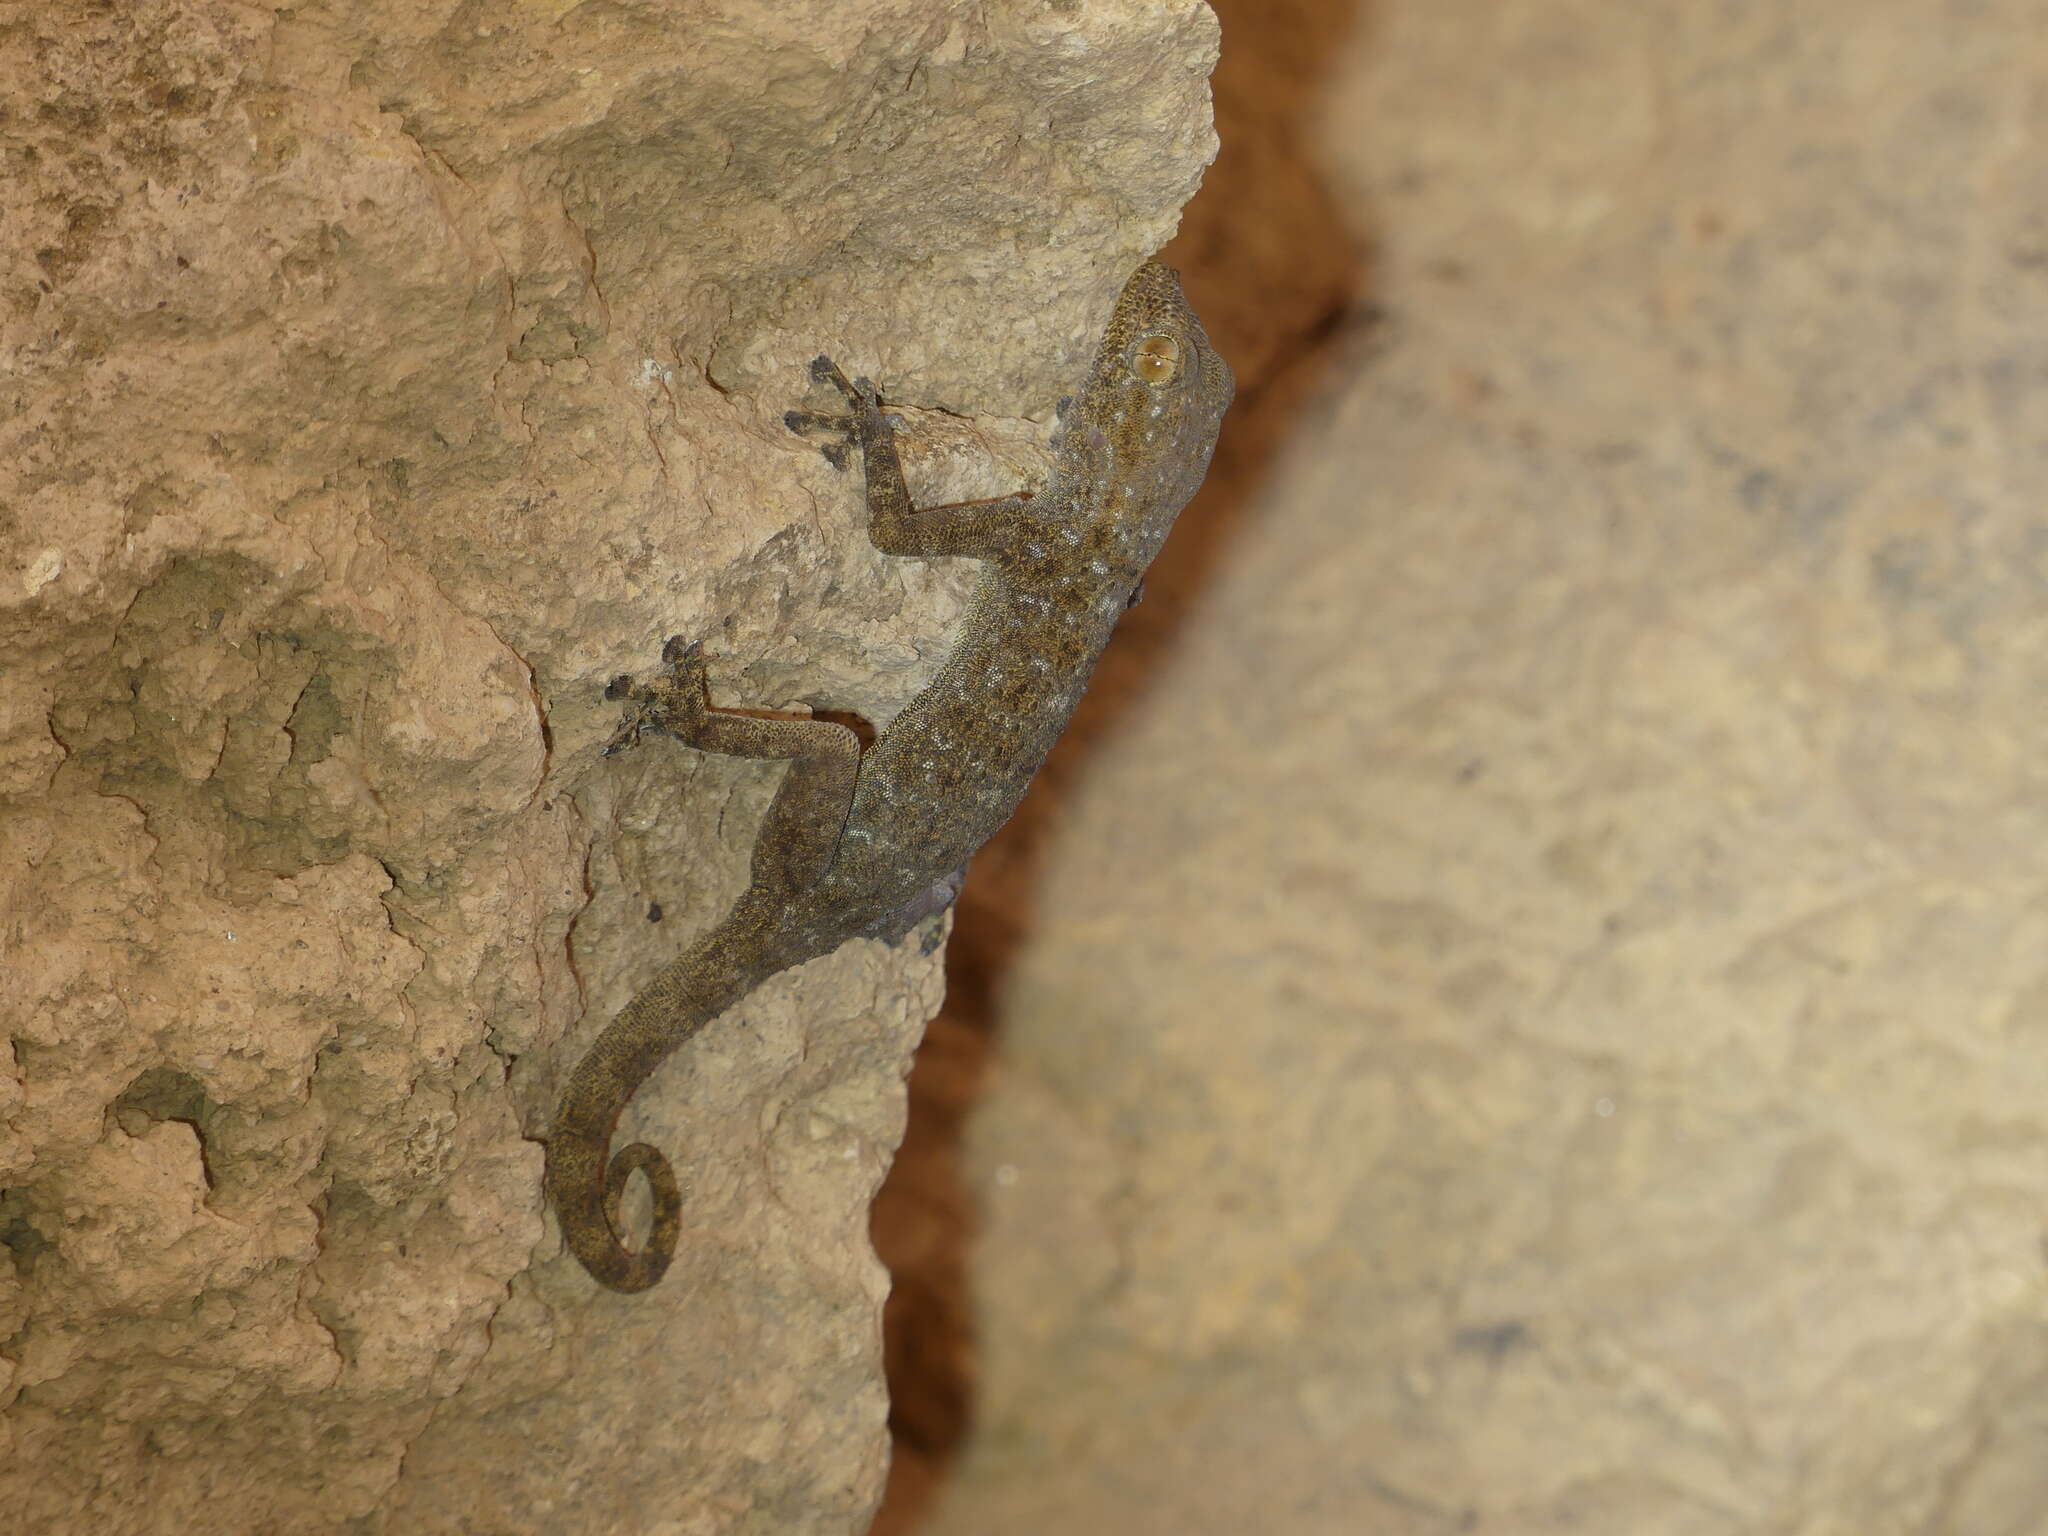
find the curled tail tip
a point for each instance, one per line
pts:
(647, 1266)
(593, 1220)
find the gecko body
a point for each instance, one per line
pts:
(866, 845)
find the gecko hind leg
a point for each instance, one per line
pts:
(804, 820)
(586, 1181)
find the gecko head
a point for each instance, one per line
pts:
(1149, 413)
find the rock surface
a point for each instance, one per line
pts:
(1539, 1020)
(376, 380)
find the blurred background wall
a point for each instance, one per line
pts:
(1522, 1006)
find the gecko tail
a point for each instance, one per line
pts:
(588, 1188)
(626, 1271)
(586, 1181)
(592, 1217)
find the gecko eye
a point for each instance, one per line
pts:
(1156, 359)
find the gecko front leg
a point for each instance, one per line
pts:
(978, 529)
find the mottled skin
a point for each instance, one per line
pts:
(867, 845)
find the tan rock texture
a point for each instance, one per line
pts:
(1538, 1020)
(376, 380)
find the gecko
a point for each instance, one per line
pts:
(868, 844)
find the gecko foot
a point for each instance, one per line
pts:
(860, 394)
(863, 419)
(673, 701)
(841, 427)
(825, 371)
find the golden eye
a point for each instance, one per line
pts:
(1156, 359)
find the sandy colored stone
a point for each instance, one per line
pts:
(1539, 1020)
(377, 380)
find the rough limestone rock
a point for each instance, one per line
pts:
(1540, 1021)
(376, 380)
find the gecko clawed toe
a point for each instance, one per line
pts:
(672, 701)
(843, 426)
(871, 844)
(837, 453)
